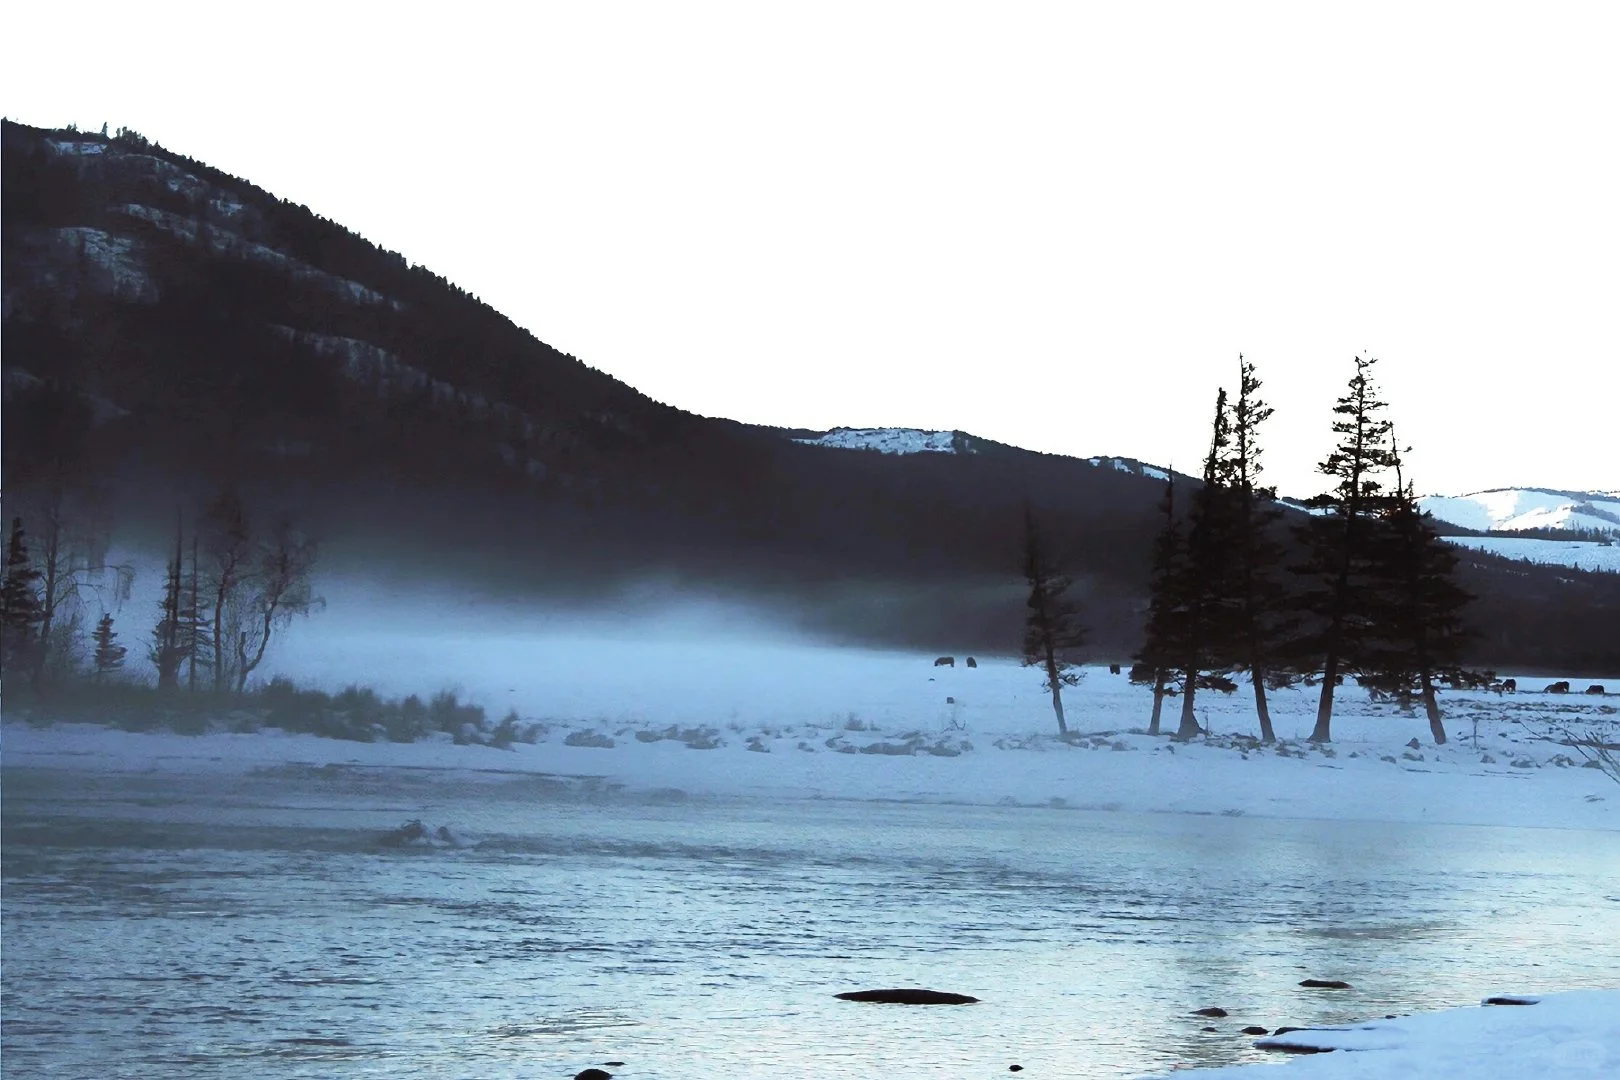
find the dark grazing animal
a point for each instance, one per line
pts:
(1561, 687)
(945, 661)
(972, 662)
(1510, 685)
(1595, 688)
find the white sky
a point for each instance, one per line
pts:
(1055, 225)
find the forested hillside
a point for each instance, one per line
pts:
(171, 331)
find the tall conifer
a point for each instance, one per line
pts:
(1341, 542)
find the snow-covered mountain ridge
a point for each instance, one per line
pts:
(903, 440)
(1521, 509)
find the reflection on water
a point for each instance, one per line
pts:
(181, 926)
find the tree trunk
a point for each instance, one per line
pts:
(1261, 707)
(1432, 707)
(1158, 703)
(1324, 705)
(219, 634)
(1189, 723)
(1055, 678)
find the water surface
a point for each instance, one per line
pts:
(190, 926)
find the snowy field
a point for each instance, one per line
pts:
(1579, 554)
(810, 722)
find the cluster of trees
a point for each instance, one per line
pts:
(227, 592)
(1363, 586)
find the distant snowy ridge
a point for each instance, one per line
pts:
(1518, 509)
(892, 440)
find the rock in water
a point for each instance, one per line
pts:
(1255, 1029)
(593, 1074)
(1213, 1010)
(909, 997)
(1325, 984)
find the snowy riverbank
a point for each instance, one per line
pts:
(825, 723)
(1570, 1034)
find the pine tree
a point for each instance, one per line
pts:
(1418, 633)
(1052, 630)
(109, 656)
(195, 640)
(19, 604)
(1341, 542)
(1260, 596)
(1161, 650)
(1206, 585)
(167, 652)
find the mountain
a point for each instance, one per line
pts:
(170, 330)
(1529, 509)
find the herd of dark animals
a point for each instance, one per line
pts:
(1501, 686)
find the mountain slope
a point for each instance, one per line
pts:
(170, 330)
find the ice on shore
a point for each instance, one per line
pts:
(1570, 1034)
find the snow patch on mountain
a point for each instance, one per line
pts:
(223, 241)
(119, 258)
(71, 146)
(1517, 509)
(1131, 466)
(887, 440)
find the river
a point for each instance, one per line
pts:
(255, 926)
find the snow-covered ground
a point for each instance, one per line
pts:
(806, 722)
(1570, 1034)
(1512, 509)
(1579, 554)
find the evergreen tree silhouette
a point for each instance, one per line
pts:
(109, 655)
(1341, 543)
(19, 604)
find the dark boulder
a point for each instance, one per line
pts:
(1511, 999)
(1254, 1029)
(593, 1074)
(411, 832)
(908, 997)
(1213, 1010)
(1325, 984)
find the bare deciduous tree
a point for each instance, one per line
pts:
(277, 589)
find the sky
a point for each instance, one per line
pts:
(1053, 225)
